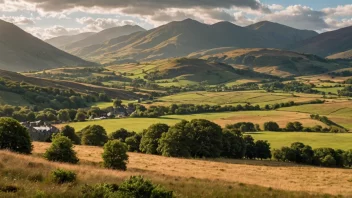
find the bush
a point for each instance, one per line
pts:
(94, 135)
(99, 190)
(61, 176)
(14, 137)
(61, 150)
(69, 132)
(115, 155)
(137, 186)
(271, 126)
(151, 136)
(121, 134)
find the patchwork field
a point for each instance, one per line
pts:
(233, 98)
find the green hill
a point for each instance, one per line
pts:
(273, 61)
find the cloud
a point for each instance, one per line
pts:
(146, 7)
(19, 20)
(16, 5)
(99, 24)
(345, 10)
(276, 7)
(54, 31)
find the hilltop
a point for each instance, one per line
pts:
(341, 55)
(20, 51)
(327, 43)
(62, 41)
(271, 61)
(179, 38)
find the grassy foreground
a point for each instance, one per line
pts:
(186, 177)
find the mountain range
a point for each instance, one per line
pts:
(62, 41)
(20, 51)
(180, 38)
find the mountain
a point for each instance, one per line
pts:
(272, 61)
(105, 35)
(327, 43)
(341, 55)
(62, 41)
(180, 38)
(20, 51)
(282, 33)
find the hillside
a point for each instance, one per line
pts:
(327, 44)
(103, 36)
(341, 55)
(273, 61)
(178, 39)
(283, 34)
(20, 51)
(79, 87)
(62, 41)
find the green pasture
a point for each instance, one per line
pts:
(8, 98)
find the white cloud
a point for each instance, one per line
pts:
(345, 10)
(276, 7)
(99, 24)
(19, 20)
(54, 31)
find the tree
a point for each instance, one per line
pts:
(69, 132)
(80, 116)
(271, 126)
(207, 138)
(115, 155)
(324, 156)
(133, 143)
(176, 142)
(117, 103)
(14, 137)
(151, 136)
(233, 144)
(63, 115)
(121, 134)
(94, 135)
(290, 127)
(298, 126)
(61, 150)
(262, 149)
(250, 147)
(347, 158)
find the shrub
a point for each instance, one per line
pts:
(271, 126)
(61, 176)
(121, 134)
(99, 190)
(139, 187)
(151, 136)
(94, 135)
(61, 150)
(69, 132)
(347, 158)
(14, 137)
(115, 155)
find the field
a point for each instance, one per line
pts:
(138, 124)
(315, 140)
(8, 98)
(186, 177)
(232, 98)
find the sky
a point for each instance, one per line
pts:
(51, 18)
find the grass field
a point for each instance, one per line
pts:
(316, 140)
(232, 98)
(258, 117)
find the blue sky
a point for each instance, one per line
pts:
(50, 18)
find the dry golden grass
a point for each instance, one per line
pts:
(284, 176)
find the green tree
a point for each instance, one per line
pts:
(151, 136)
(117, 103)
(290, 127)
(176, 142)
(121, 134)
(63, 115)
(61, 150)
(207, 138)
(94, 135)
(115, 155)
(262, 149)
(347, 158)
(14, 137)
(69, 132)
(250, 147)
(271, 126)
(133, 143)
(233, 144)
(80, 116)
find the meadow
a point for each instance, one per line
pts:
(186, 177)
